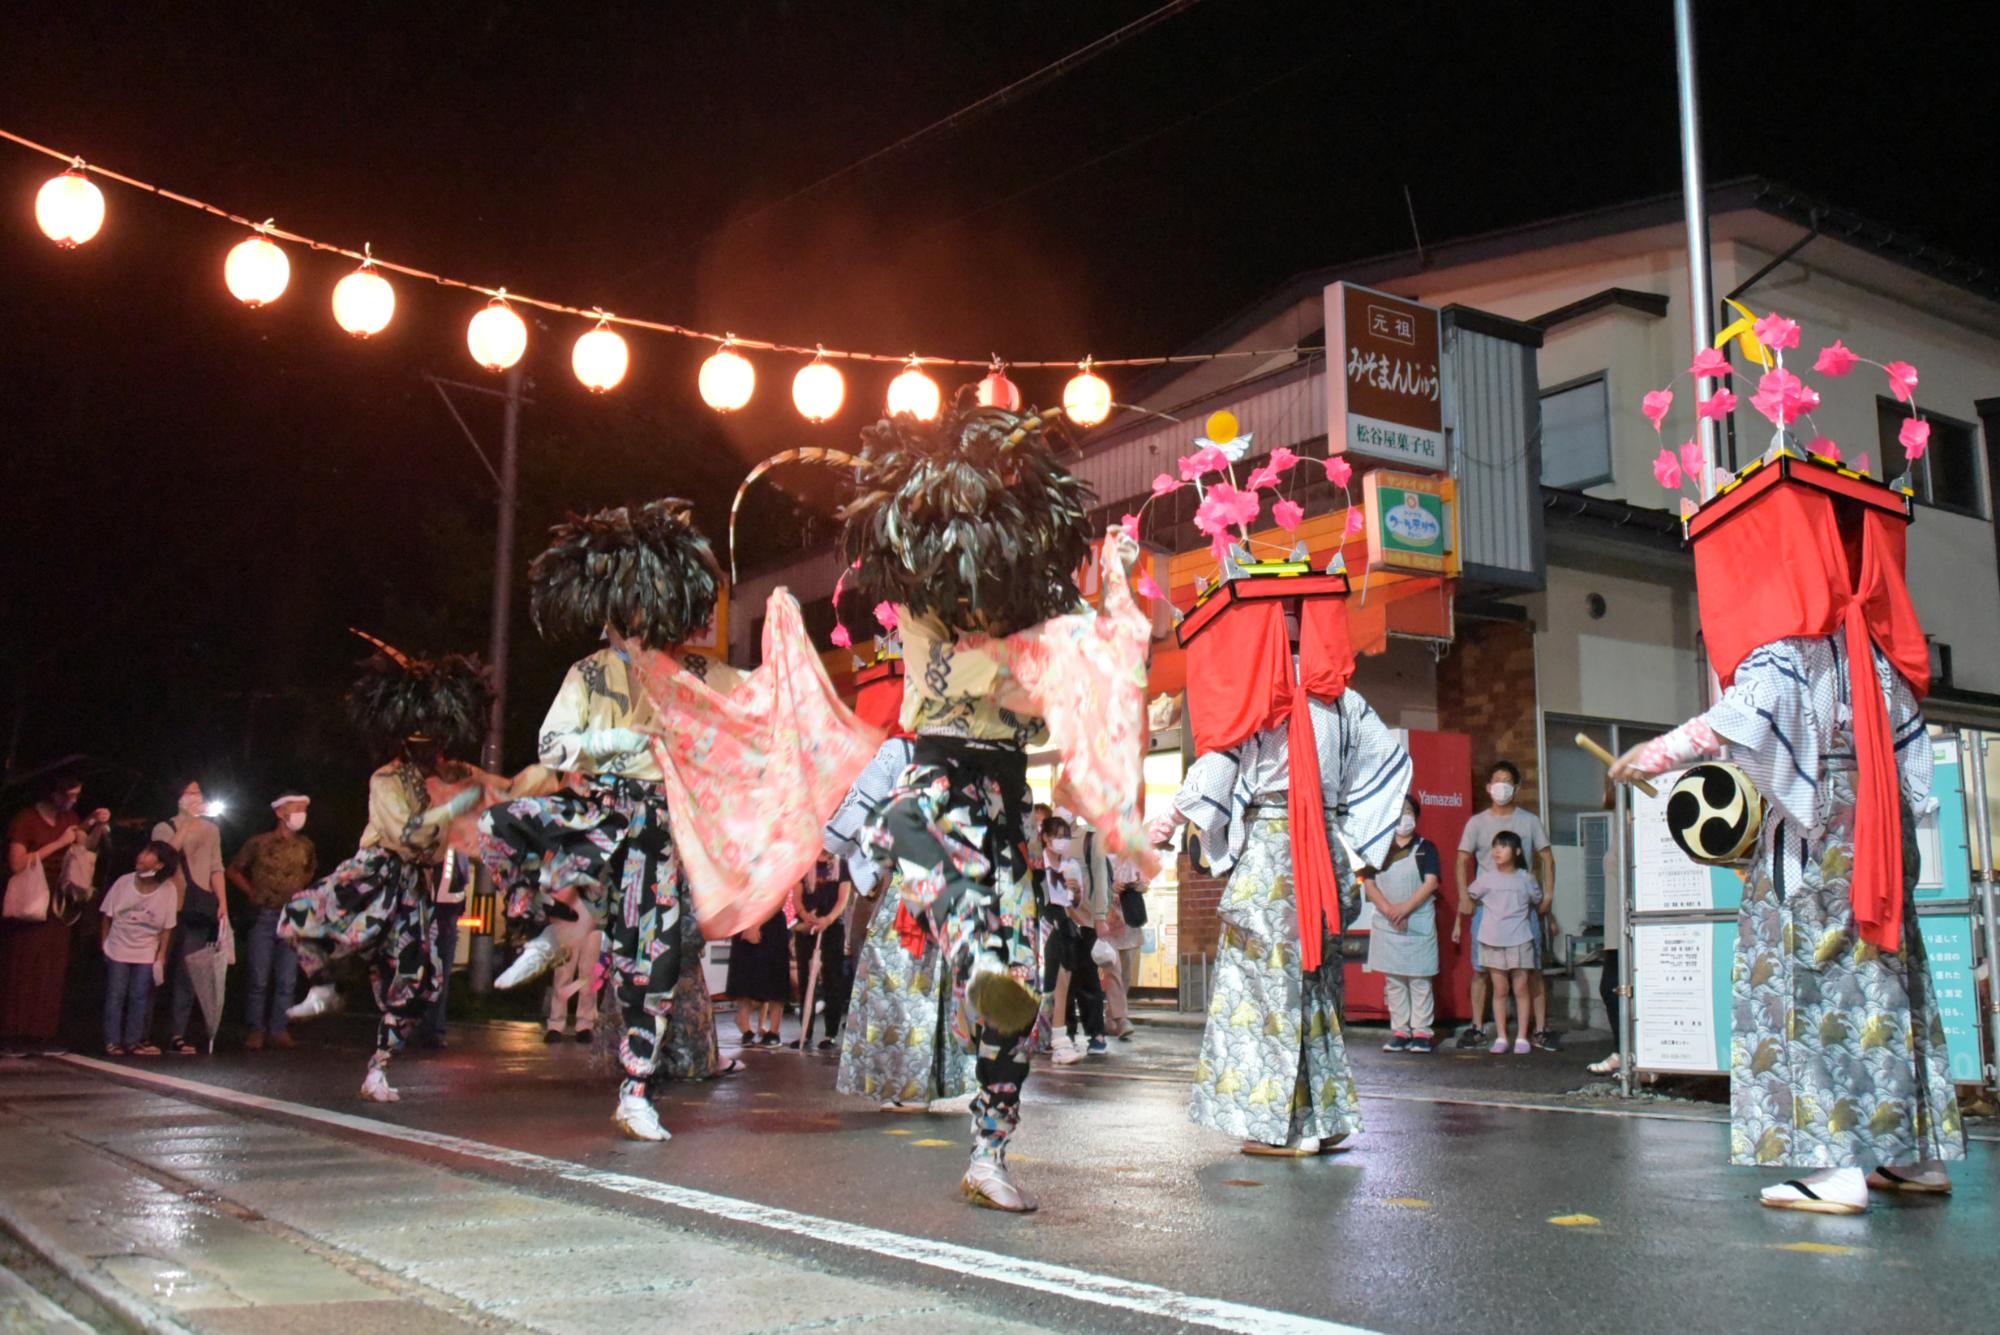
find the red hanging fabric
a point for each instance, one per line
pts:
(1240, 682)
(1777, 569)
(878, 699)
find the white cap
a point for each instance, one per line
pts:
(277, 802)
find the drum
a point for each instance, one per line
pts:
(1714, 813)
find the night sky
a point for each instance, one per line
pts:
(201, 498)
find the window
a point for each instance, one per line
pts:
(1576, 781)
(1948, 474)
(1576, 434)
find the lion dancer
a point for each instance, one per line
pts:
(381, 902)
(1838, 1069)
(974, 534)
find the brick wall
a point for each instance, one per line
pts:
(1486, 689)
(1199, 896)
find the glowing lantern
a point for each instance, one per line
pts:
(256, 271)
(997, 391)
(818, 390)
(70, 208)
(914, 394)
(497, 336)
(727, 379)
(363, 302)
(600, 358)
(1086, 398)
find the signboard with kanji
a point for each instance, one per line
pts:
(1384, 386)
(1412, 522)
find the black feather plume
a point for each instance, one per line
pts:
(970, 519)
(399, 697)
(647, 574)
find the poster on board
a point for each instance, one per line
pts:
(1673, 981)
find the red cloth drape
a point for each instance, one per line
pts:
(1240, 682)
(1779, 569)
(878, 698)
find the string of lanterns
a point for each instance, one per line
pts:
(70, 210)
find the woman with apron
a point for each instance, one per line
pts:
(1403, 943)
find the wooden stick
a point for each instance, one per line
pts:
(1583, 740)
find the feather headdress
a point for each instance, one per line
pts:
(399, 696)
(648, 574)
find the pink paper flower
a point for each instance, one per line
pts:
(1130, 523)
(1164, 485)
(1915, 437)
(1283, 459)
(1338, 471)
(1783, 397)
(1262, 477)
(1709, 363)
(1667, 470)
(1774, 331)
(841, 638)
(1203, 462)
(1717, 406)
(1655, 406)
(1824, 448)
(1223, 506)
(885, 616)
(1289, 514)
(1835, 360)
(1356, 521)
(1902, 380)
(1861, 464)
(1692, 462)
(1218, 547)
(1148, 586)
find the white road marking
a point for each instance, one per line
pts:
(970, 1262)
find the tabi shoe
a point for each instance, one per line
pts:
(987, 1183)
(1303, 1149)
(638, 1119)
(536, 958)
(948, 1107)
(1828, 1191)
(999, 999)
(1928, 1178)
(321, 999)
(376, 1087)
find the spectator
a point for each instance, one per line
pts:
(269, 869)
(760, 979)
(1124, 939)
(1506, 933)
(203, 912)
(819, 906)
(1614, 945)
(574, 977)
(34, 953)
(1475, 848)
(136, 926)
(453, 877)
(1076, 895)
(1403, 945)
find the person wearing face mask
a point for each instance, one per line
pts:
(136, 925)
(1475, 857)
(1403, 945)
(34, 953)
(269, 869)
(204, 901)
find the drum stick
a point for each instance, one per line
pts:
(1583, 740)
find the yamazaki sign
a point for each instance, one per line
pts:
(1384, 384)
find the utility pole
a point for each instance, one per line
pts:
(1701, 296)
(503, 562)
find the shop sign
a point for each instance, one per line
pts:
(1383, 380)
(1412, 523)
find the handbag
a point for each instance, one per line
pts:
(1132, 906)
(27, 894)
(79, 883)
(1102, 955)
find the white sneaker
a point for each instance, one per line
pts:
(1609, 1066)
(377, 1089)
(988, 1183)
(320, 999)
(536, 958)
(639, 1119)
(1827, 1191)
(950, 1107)
(1067, 1053)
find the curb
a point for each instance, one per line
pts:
(130, 1312)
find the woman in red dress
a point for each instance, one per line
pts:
(34, 956)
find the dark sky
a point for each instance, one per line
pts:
(202, 497)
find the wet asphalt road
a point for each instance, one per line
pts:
(1446, 1216)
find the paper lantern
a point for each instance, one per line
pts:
(497, 336)
(69, 209)
(1086, 398)
(727, 380)
(256, 271)
(363, 302)
(818, 391)
(997, 391)
(600, 358)
(915, 394)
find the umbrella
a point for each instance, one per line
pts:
(208, 969)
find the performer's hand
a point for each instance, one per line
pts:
(1123, 548)
(1161, 830)
(1626, 767)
